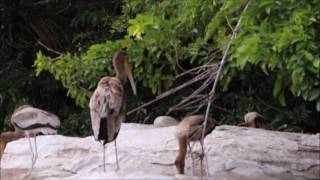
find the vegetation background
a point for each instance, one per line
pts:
(53, 52)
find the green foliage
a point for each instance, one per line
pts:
(278, 38)
(155, 43)
(283, 41)
(23, 24)
(30, 26)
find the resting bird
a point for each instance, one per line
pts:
(190, 129)
(29, 122)
(254, 120)
(108, 103)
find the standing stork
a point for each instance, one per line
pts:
(28, 122)
(108, 103)
(190, 129)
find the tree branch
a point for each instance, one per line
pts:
(223, 60)
(49, 49)
(171, 91)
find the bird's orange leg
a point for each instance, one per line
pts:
(115, 148)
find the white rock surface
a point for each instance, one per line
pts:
(165, 121)
(146, 152)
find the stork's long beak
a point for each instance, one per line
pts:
(130, 77)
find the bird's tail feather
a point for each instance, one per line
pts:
(103, 130)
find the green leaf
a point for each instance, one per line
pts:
(314, 94)
(277, 86)
(316, 63)
(282, 99)
(308, 55)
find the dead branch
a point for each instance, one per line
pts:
(171, 91)
(208, 72)
(195, 93)
(223, 60)
(49, 49)
(195, 69)
(177, 57)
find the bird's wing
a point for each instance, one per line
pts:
(196, 126)
(30, 118)
(261, 122)
(106, 103)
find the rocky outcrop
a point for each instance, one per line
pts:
(146, 152)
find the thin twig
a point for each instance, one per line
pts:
(223, 109)
(169, 92)
(229, 24)
(223, 60)
(196, 92)
(196, 110)
(194, 69)
(202, 67)
(64, 9)
(49, 49)
(195, 99)
(177, 57)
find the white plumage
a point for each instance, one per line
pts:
(32, 121)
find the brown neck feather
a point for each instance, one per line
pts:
(11, 136)
(118, 63)
(8, 137)
(120, 74)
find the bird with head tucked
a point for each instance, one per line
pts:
(28, 122)
(254, 120)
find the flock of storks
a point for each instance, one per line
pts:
(108, 111)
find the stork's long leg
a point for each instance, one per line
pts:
(201, 159)
(32, 154)
(116, 150)
(192, 158)
(35, 150)
(207, 165)
(204, 155)
(104, 156)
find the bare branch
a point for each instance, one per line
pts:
(195, 69)
(223, 60)
(177, 57)
(49, 49)
(229, 23)
(169, 92)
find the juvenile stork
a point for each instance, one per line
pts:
(190, 129)
(108, 103)
(29, 122)
(254, 120)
